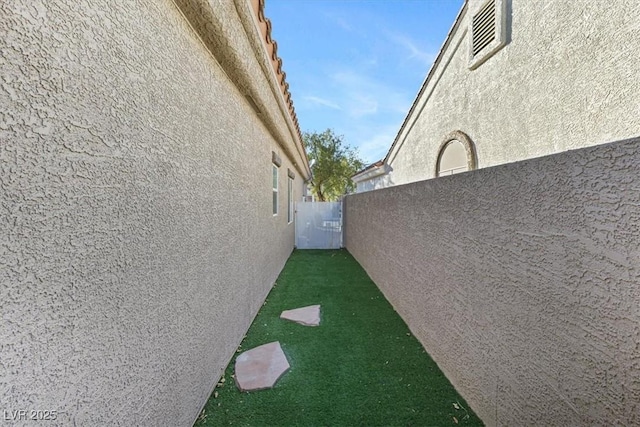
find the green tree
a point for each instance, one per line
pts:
(333, 163)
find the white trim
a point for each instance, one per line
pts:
(371, 173)
(290, 200)
(275, 189)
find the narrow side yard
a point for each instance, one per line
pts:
(361, 366)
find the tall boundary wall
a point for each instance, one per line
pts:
(522, 281)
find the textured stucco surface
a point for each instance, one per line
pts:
(138, 240)
(231, 41)
(567, 78)
(521, 280)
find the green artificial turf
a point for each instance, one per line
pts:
(360, 367)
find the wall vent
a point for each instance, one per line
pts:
(483, 28)
(487, 30)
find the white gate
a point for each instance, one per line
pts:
(319, 225)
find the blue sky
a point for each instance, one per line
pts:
(356, 66)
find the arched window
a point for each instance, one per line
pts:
(457, 154)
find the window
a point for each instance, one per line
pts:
(290, 200)
(457, 154)
(275, 189)
(453, 159)
(488, 32)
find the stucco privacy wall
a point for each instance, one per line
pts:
(138, 239)
(567, 78)
(520, 280)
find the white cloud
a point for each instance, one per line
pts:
(371, 110)
(342, 23)
(374, 142)
(366, 96)
(321, 101)
(363, 105)
(412, 49)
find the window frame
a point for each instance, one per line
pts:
(290, 199)
(275, 189)
(470, 148)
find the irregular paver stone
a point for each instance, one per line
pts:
(308, 316)
(260, 367)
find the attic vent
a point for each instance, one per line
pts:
(483, 28)
(487, 31)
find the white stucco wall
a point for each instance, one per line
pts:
(567, 78)
(374, 183)
(520, 280)
(138, 239)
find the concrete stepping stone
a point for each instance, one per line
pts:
(260, 367)
(308, 316)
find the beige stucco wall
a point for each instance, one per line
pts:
(520, 280)
(138, 240)
(567, 78)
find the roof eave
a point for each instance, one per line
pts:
(371, 173)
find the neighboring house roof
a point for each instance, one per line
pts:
(427, 80)
(372, 170)
(368, 167)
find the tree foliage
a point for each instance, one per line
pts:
(333, 163)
